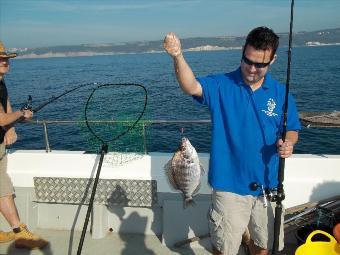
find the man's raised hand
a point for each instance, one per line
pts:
(172, 45)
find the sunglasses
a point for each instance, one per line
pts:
(4, 59)
(250, 63)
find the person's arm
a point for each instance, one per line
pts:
(10, 117)
(10, 135)
(9, 110)
(184, 74)
(286, 148)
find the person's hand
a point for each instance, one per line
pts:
(285, 149)
(27, 114)
(172, 45)
(10, 136)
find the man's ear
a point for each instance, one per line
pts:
(243, 49)
(273, 60)
(242, 53)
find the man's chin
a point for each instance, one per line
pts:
(251, 79)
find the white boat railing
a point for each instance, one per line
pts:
(143, 123)
(308, 119)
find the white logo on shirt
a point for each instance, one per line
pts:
(271, 106)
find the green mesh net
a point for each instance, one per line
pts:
(115, 116)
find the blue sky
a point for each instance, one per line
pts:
(36, 23)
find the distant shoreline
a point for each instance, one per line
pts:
(195, 49)
(326, 37)
(92, 53)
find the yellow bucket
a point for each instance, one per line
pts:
(319, 247)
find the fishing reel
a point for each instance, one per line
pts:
(271, 194)
(28, 104)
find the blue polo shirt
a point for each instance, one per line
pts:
(245, 128)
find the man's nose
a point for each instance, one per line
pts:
(252, 68)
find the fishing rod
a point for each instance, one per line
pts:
(280, 191)
(28, 105)
(312, 209)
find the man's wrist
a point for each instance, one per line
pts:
(178, 57)
(178, 54)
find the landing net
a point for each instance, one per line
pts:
(114, 116)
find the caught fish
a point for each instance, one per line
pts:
(184, 171)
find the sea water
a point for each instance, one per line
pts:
(315, 84)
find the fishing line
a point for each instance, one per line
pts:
(122, 121)
(29, 106)
(280, 191)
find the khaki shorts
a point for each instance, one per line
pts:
(6, 186)
(232, 214)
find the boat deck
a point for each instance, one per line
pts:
(64, 178)
(66, 243)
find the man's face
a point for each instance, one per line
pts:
(250, 73)
(4, 65)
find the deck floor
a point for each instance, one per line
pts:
(66, 243)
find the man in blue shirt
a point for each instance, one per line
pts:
(246, 109)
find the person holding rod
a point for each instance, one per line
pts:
(22, 237)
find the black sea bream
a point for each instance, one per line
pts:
(184, 171)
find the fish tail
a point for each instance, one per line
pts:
(189, 201)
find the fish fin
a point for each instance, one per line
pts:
(188, 201)
(169, 173)
(197, 189)
(167, 165)
(202, 170)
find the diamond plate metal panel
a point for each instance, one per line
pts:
(139, 193)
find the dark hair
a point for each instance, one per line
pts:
(262, 38)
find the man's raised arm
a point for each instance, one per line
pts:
(184, 74)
